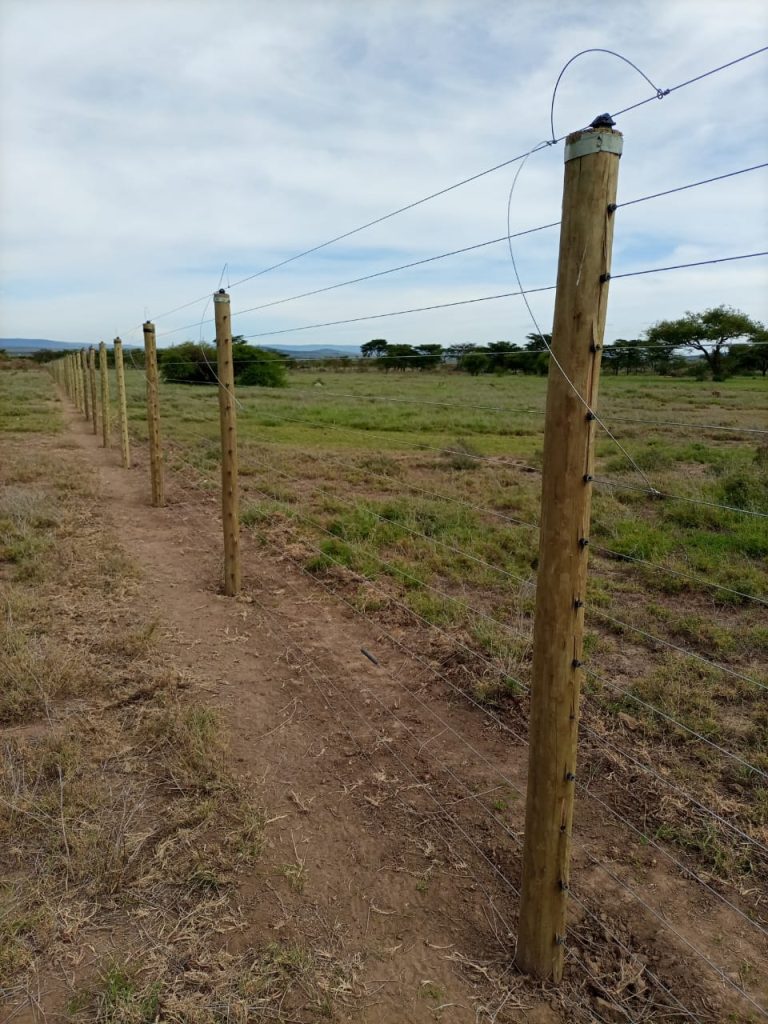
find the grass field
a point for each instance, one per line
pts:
(428, 487)
(414, 499)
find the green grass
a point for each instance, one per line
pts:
(386, 475)
(28, 402)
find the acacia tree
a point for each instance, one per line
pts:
(708, 333)
(375, 348)
(755, 355)
(538, 342)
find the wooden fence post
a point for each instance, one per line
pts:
(230, 502)
(83, 370)
(78, 382)
(92, 383)
(586, 237)
(104, 375)
(153, 416)
(122, 407)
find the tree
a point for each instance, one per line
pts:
(377, 347)
(193, 363)
(538, 342)
(753, 356)
(626, 355)
(432, 356)
(399, 357)
(708, 332)
(500, 353)
(457, 351)
(257, 366)
(475, 363)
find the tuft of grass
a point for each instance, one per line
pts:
(188, 744)
(461, 456)
(119, 996)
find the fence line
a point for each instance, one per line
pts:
(597, 864)
(559, 665)
(506, 675)
(619, 881)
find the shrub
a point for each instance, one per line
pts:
(193, 363)
(188, 363)
(258, 366)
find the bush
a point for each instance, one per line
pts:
(258, 366)
(193, 363)
(188, 363)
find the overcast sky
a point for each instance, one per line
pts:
(146, 145)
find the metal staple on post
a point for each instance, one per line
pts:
(153, 416)
(230, 505)
(586, 236)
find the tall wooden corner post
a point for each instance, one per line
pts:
(586, 237)
(122, 407)
(230, 503)
(153, 416)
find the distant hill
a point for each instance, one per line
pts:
(353, 351)
(25, 346)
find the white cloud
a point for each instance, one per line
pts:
(146, 144)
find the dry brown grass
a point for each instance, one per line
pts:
(119, 813)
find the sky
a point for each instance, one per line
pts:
(153, 151)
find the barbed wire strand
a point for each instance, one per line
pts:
(495, 621)
(660, 93)
(673, 721)
(369, 277)
(510, 629)
(498, 669)
(599, 549)
(460, 251)
(693, 425)
(600, 866)
(680, 497)
(691, 81)
(622, 752)
(712, 665)
(684, 188)
(450, 188)
(684, 266)
(323, 392)
(618, 555)
(453, 821)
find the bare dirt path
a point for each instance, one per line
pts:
(377, 851)
(360, 859)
